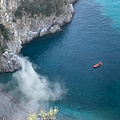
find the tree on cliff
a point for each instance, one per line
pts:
(4, 32)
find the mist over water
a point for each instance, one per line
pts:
(32, 89)
(36, 87)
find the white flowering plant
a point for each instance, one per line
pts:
(43, 115)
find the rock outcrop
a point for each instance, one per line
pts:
(9, 62)
(26, 29)
(10, 109)
(55, 28)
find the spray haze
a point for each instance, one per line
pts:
(36, 87)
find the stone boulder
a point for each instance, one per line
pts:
(54, 28)
(9, 62)
(44, 31)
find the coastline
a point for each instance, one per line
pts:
(25, 30)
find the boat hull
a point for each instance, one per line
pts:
(98, 65)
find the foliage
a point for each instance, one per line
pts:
(32, 116)
(4, 32)
(18, 14)
(46, 7)
(43, 115)
(14, 20)
(3, 49)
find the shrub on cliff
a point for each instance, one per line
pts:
(4, 32)
(46, 7)
(18, 14)
(43, 115)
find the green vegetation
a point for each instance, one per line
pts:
(18, 14)
(43, 115)
(3, 49)
(14, 20)
(4, 32)
(46, 7)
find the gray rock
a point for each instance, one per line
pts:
(54, 28)
(30, 36)
(14, 46)
(28, 39)
(66, 17)
(71, 8)
(44, 31)
(33, 34)
(9, 108)
(9, 62)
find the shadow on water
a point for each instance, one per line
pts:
(41, 45)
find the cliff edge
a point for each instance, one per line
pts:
(17, 29)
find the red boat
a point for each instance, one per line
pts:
(98, 64)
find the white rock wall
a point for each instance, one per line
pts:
(26, 29)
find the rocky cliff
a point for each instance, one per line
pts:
(26, 29)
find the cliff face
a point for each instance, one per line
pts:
(9, 108)
(26, 29)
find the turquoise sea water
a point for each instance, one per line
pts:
(111, 8)
(68, 58)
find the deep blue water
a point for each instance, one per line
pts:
(68, 58)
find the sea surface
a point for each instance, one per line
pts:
(68, 57)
